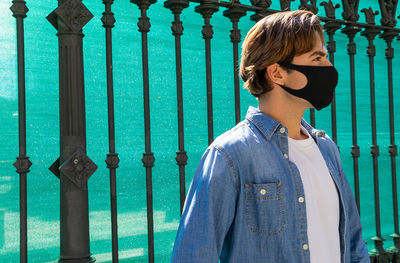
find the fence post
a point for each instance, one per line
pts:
(148, 156)
(23, 163)
(73, 167)
(388, 10)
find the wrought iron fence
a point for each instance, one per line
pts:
(74, 167)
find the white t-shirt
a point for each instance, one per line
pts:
(321, 199)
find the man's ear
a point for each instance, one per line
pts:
(274, 73)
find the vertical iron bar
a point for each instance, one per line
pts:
(388, 36)
(176, 7)
(22, 163)
(312, 8)
(350, 13)
(331, 27)
(312, 117)
(181, 156)
(209, 86)
(73, 167)
(351, 31)
(235, 39)
(331, 51)
(378, 240)
(112, 159)
(234, 13)
(388, 10)
(22, 140)
(355, 149)
(148, 156)
(370, 33)
(206, 9)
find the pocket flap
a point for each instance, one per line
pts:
(266, 191)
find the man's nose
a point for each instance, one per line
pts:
(327, 62)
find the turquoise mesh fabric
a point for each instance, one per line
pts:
(41, 61)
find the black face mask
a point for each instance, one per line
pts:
(322, 81)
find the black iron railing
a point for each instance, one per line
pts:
(74, 168)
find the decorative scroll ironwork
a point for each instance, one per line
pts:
(310, 7)
(285, 4)
(78, 168)
(370, 18)
(350, 10)
(262, 9)
(330, 9)
(388, 10)
(73, 14)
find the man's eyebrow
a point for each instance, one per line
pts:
(318, 53)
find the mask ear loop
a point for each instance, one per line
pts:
(285, 65)
(298, 68)
(292, 66)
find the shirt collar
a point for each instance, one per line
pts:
(268, 125)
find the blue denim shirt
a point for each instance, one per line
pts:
(226, 218)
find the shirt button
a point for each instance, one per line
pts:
(305, 246)
(263, 191)
(282, 130)
(285, 155)
(301, 199)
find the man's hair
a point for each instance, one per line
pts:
(276, 38)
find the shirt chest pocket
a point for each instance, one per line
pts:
(265, 213)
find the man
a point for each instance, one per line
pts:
(272, 189)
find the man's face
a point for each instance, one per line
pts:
(316, 57)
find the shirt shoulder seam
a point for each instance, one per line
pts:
(230, 163)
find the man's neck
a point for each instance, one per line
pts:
(289, 116)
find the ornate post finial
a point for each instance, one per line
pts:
(310, 7)
(388, 10)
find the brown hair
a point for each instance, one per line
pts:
(276, 38)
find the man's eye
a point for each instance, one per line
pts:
(317, 59)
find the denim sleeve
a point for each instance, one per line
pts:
(358, 249)
(208, 211)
